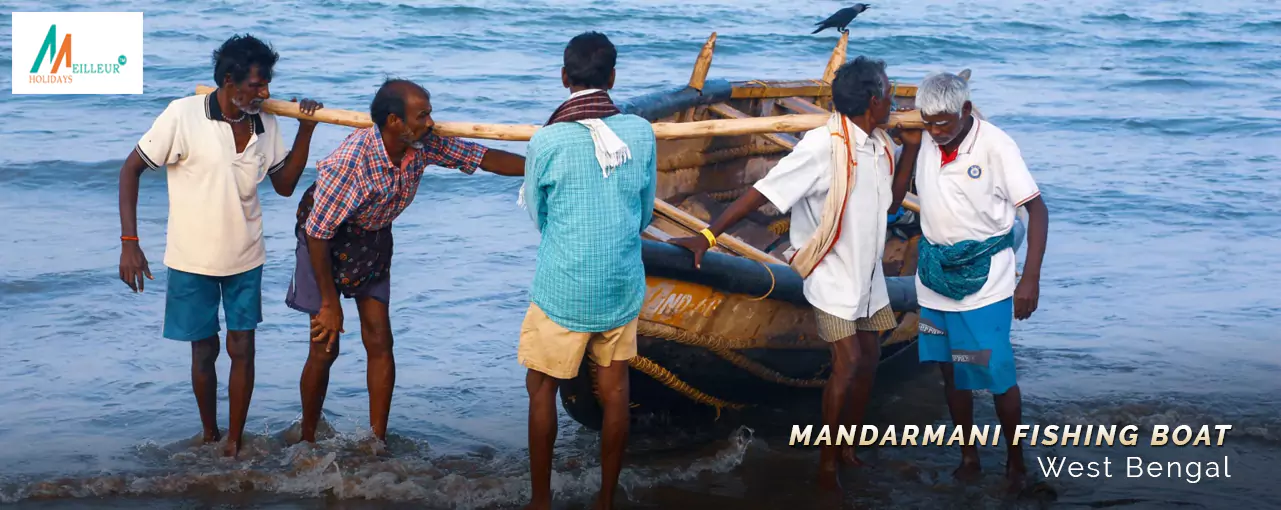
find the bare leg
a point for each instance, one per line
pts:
(542, 436)
(204, 382)
(961, 405)
(834, 395)
(615, 397)
(314, 385)
(240, 347)
(380, 370)
(867, 355)
(1009, 410)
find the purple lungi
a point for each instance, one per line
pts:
(304, 295)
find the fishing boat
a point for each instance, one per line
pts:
(738, 332)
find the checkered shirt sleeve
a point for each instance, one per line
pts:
(456, 153)
(339, 190)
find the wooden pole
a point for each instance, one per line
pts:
(703, 64)
(837, 59)
(522, 132)
(699, 76)
(734, 244)
(833, 64)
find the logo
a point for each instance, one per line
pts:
(924, 327)
(974, 171)
(77, 52)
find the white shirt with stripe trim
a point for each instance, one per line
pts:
(974, 197)
(215, 217)
(849, 282)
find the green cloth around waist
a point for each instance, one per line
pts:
(961, 269)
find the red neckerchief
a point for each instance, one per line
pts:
(595, 105)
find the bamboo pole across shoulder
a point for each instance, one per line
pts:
(523, 132)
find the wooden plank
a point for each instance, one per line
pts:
(669, 163)
(729, 112)
(801, 106)
(694, 225)
(773, 89)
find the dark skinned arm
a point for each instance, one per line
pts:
(285, 180)
(1028, 292)
(910, 139)
(503, 163)
(750, 201)
(903, 175)
(328, 324)
(133, 263)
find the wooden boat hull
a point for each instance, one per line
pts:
(734, 334)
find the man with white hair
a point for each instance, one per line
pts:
(971, 179)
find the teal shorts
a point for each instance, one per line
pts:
(976, 342)
(191, 303)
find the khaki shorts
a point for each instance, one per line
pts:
(553, 350)
(832, 328)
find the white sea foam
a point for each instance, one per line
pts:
(345, 468)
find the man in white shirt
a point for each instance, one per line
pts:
(217, 148)
(839, 235)
(971, 179)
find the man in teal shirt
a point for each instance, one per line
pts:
(590, 178)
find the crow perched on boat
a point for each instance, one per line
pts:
(841, 18)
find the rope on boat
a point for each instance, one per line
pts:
(717, 345)
(706, 341)
(724, 348)
(727, 196)
(780, 227)
(666, 378)
(906, 330)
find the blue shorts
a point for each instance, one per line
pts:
(977, 342)
(191, 303)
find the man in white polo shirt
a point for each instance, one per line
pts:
(838, 182)
(971, 179)
(217, 148)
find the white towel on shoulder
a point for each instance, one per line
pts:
(611, 151)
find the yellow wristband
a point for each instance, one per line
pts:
(711, 239)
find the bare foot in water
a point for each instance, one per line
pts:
(211, 436)
(600, 504)
(231, 449)
(849, 458)
(969, 471)
(539, 506)
(829, 478)
(1015, 475)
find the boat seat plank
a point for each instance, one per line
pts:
(801, 106)
(729, 112)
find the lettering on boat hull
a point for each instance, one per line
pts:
(678, 303)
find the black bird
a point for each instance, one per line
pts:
(841, 18)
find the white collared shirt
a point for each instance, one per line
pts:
(215, 218)
(849, 282)
(974, 197)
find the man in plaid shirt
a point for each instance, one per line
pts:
(344, 235)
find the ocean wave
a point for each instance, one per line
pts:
(352, 467)
(1166, 126)
(1270, 27)
(1113, 18)
(1166, 84)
